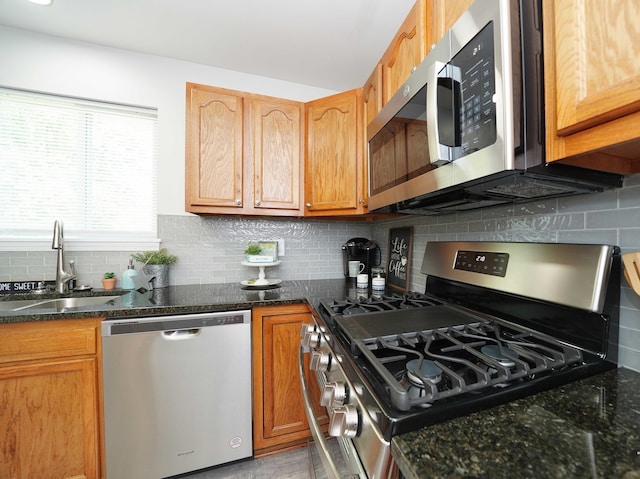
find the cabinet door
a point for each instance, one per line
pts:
(279, 417)
(278, 139)
(335, 169)
(49, 420)
(597, 68)
(214, 149)
(440, 17)
(592, 74)
(406, 51)
(372, 95)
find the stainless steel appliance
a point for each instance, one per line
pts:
(177, 393)
(363, 250)
(466, 130)
(497, 321)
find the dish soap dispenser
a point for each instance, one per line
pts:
(128, 277)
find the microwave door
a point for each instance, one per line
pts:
(444, 114)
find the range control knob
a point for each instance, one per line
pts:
(320, 361)
(306, 328)
(311, 339)
(344, 421)
(334, 394)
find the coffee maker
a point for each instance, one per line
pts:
(363, 250)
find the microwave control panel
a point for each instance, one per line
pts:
(475, 62)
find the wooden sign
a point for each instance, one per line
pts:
(399, 262)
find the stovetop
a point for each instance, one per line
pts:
(431, 361)
(473, 340)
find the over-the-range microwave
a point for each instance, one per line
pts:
(466, 130)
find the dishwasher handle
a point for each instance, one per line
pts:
(181, 334)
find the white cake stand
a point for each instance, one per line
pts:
(261, 281)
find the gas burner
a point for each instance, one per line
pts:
(428, 369)
(504, 355)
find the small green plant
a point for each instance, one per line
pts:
(109, 275)
(155, 257)
(253, 249)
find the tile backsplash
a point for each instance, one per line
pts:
(210, 249)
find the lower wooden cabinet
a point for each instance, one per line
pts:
(49, 400)
(279, 420)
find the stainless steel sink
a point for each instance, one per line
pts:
(57, 304)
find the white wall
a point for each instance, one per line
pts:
(49, 64)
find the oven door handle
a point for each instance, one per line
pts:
(316, 430)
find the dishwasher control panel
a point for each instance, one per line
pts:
(117, 326)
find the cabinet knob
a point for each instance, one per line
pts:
(308, 205)
(238, 203)
(258, 203)
(406, 91)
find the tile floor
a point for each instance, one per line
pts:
(287, 465)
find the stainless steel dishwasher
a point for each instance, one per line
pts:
(177, 393)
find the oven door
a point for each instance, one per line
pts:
(337, 455)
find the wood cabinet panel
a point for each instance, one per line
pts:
(214, 156)
(591, 76)
(335, 170)
(597, 68)
(278, 140)
(440, 17)
(405, 52)
(279, 418)
(47, 340)
(50, 401)
(372, 95)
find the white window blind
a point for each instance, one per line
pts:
(90, 164)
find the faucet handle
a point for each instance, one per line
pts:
(74, 276)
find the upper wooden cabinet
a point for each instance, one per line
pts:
(335, 170)
(405, 52)
(440, 16)
(372, 95)
(592, 73)
(50, 413)
(243, 153)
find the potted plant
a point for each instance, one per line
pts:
(155, 265)
(109, 281)
(253, 254)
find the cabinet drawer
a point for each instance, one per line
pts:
(51, 339)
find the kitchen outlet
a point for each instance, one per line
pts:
(280, 247)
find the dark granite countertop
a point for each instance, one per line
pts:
(587, 429)
(181, 299)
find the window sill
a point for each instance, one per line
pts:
(80, 245)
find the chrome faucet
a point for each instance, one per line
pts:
(62, 276)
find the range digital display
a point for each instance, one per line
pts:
(494, 264)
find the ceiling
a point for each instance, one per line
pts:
(332, 44)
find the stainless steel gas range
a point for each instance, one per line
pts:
(497, 321)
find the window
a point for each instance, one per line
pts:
(90, 164)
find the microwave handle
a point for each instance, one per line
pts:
(439, 153)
